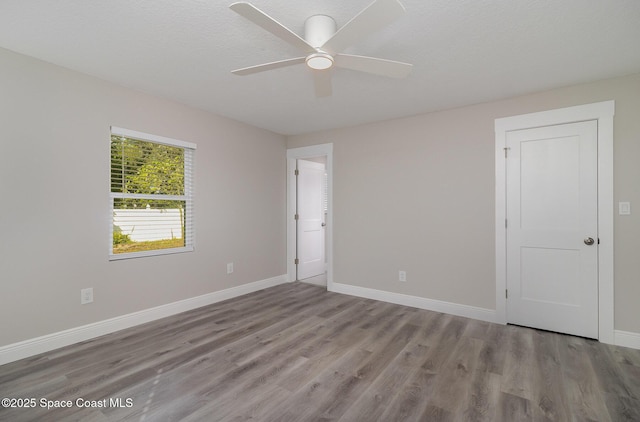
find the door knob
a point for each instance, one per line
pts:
(589, 241)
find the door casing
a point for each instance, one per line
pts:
(603, 112)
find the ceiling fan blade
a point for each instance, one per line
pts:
(322, 80)
(377, 15)
(268, 66)
(265, 21)
(373, 65)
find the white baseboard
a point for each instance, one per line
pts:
(31, 347)
(627, 339)
(417, 302)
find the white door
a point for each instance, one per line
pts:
(552, 228)
(310, 223)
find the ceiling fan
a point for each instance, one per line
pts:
(322, 44)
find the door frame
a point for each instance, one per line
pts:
(603, 113)
(293, 154)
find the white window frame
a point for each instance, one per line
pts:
(187, 197)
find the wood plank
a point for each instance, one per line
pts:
(483, 394)
(519, 373)
(549, 402)
(514, 408)
(373, 402)
(454, 379)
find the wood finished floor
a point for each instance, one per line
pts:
(298, 353)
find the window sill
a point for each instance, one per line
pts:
(142, 254)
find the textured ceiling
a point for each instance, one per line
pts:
(463, 51)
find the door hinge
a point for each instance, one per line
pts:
(506, 293)
(598, 241)
(295, 217)
(505, 151)
(296, 172)
(296, 261)
(505, 223)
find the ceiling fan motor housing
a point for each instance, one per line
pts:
(318, 29)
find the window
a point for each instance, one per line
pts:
(151, 195)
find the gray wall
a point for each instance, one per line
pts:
(54, 185)
(417, 194)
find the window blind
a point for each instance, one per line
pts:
(325, 192)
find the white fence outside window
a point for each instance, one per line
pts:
(143, 225)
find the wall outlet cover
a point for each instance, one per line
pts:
(624, 208)
(86, 296)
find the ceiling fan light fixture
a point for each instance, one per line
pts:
(319, 61)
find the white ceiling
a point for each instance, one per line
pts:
(463, 51)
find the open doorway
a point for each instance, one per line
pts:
(311, 211)
(309, 217)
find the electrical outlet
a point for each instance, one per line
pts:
(402, 275)
(229, 267)
(624, 208)
(86, 296)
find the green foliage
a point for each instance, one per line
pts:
(121, 239)
(142, 167)
(161, 174)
